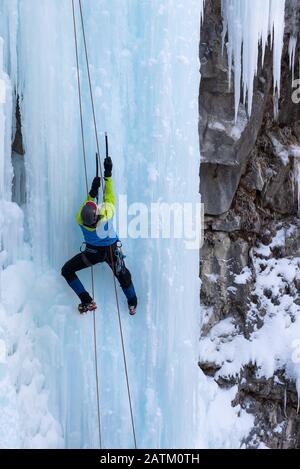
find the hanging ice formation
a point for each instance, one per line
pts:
(248, 25)
(294, 27)
(292, 54)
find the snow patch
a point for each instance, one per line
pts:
(244, 277)
(276, 344)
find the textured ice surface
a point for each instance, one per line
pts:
(249, 23)
(145, 73)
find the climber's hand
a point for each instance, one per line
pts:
(95, 187)
(108, 166)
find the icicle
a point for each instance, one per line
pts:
(295, 151)
(294, 28)
(297, 178)
(285, 403)
(248, 24)
(298, 389)
(292, 54)
(201, 9)
(277, 24)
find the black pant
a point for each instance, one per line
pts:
(92, 256)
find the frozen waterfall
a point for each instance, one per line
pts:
(145, 71)
(144, 57)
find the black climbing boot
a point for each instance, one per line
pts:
(84, 308)
(132, 306)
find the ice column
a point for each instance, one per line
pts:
(5, 123)
(11, 217)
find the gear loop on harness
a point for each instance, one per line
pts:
(83, 247)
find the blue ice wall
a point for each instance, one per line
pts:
(145, 74)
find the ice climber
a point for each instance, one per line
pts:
(102, 244)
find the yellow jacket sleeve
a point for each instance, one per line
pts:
(107, 208)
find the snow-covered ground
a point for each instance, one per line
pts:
(273, 345)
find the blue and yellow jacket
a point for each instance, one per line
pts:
(103, 234)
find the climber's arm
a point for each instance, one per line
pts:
(107, 208)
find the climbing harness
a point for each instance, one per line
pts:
(118, 254)
(120, 259)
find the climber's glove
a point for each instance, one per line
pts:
(95, 187)
(108, 166)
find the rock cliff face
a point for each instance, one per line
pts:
(250, 260)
